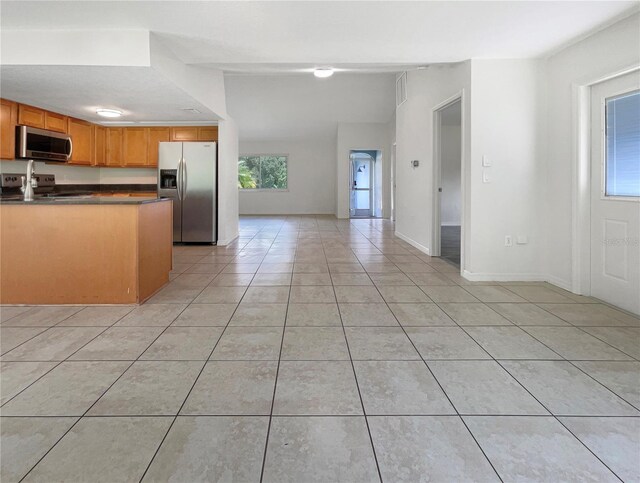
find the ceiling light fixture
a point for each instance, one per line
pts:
(108, 112)
(323, 72)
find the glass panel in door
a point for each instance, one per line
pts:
(361, 186)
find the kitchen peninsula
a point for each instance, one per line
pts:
(94, 250)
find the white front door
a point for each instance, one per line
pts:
(615, 191)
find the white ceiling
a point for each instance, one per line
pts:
(140, 92)
(289, 36)
(270, 48)
(289, 106)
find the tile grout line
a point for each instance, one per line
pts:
(441, 388)
(355, 376)
(551, 414)
(98, 399)
(63, 360)
(204, 365)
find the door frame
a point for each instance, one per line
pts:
(581, 178)
(392, 185)
(437, 173)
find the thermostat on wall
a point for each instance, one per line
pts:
(415, 163)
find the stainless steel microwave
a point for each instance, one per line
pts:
(43, 145)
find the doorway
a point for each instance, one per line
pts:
(448, 142)
(365, 200)
(615, 191)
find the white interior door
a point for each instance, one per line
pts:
(615, 192)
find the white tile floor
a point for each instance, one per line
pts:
(322, 350)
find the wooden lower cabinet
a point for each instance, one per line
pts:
(81, 133)
(8, 122)
(156, 135)
(96, 253)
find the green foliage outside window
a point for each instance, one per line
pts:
(262, 172)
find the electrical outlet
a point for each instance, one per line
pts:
(485, 176)
(508, 241)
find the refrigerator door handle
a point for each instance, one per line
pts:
(179, 180)
(184, 178)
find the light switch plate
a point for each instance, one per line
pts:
(485, 177)
(486, 162)
(522, 240)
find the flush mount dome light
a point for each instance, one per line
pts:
(108, 112)
(323, 72)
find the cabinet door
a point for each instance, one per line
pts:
(30, 116)
(156, 135)
(135, 146)
(8, 121)
(99, 146)
(184, 133)
(55, 122)
(114, 146)
(81, 133)
(208, 133)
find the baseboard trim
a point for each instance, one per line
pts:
(503, 277)
(222, 243)
(413, 243)
(558, 282)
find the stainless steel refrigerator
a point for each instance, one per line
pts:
(187, 173)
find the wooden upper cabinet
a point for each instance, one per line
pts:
(31, 116)
(55, 122)
(184, 133)
(156, 136)
(135, 146)
(8, 122)
(99, 146)
(36, 117)
(208, 133)
(114, 146)
(81, 133)
(194, 133)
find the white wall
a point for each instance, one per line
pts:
(450, 177)
(414, 140)
(602, 54)
(374, 136)
(227, 181)
(507, 111)
(311, 178)
(502, 109)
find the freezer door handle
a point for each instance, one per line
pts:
(179, 180)
(184, 178)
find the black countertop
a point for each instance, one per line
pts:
(80, 200)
